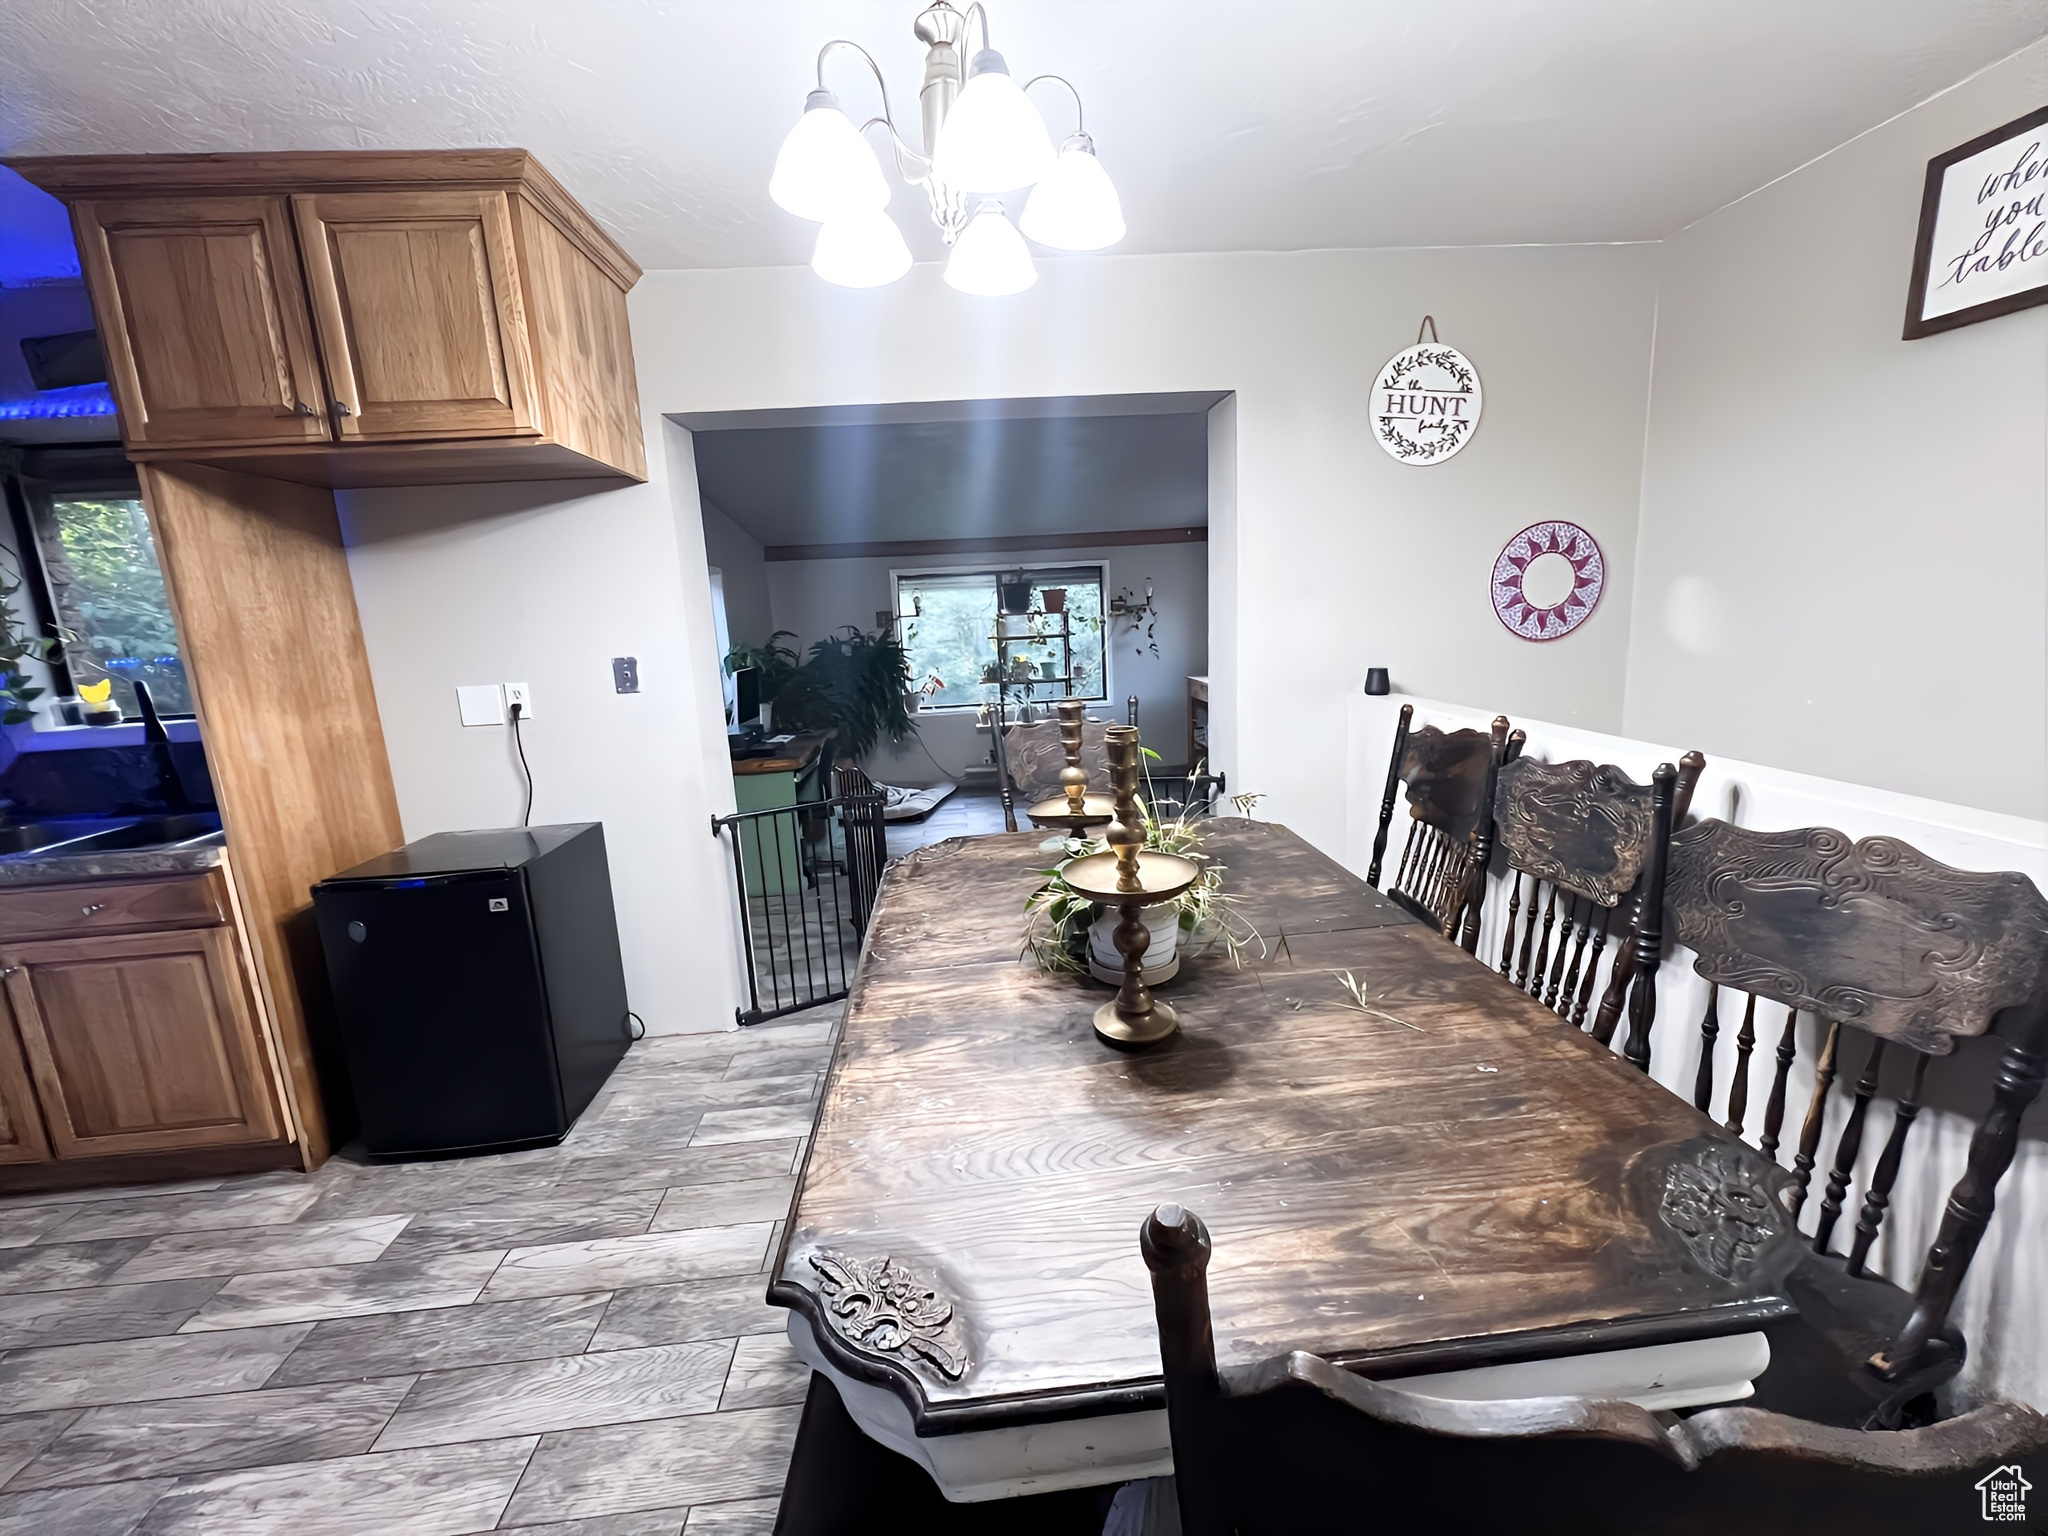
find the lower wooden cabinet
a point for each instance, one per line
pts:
(21, 1122)
(140, 1042)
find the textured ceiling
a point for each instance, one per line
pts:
(959, 479)
(1228, 126)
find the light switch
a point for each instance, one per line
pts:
(481, 704)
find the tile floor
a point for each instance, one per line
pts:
(570, 1340)
(964, 813)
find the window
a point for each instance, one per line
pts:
(1025, 635)
(105, 591)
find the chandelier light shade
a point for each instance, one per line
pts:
(990, 259)
(1074, 208)
(825, 169)
(861, 250)
(981, 136)
(993, 139)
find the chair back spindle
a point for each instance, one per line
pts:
(1605, 1022)
(1648, 941)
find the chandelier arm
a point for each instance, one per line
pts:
(888, 117)
(888, 112)
(1080, 121)
(973, 11)
(900, 149)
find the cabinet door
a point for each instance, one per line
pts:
(141, 1042)
(417, 301)
(21, 1123)
(203, 314)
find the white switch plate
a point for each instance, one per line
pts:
(520, 694)
(481, 704)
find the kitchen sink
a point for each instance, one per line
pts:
(70, 835)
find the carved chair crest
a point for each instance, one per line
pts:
(1871, 933)
(1578, 826)
(1445, 773)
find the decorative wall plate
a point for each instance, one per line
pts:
(1548, 580)
(1425, 403)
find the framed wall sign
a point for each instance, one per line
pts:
(1425, 402)
(1547, 580)
(1983, 246)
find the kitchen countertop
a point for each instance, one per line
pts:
(55, 867)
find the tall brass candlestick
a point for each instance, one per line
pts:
(1073, 808)
(1073, 777)
(1130, 877)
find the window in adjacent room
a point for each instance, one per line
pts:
(1051, 647)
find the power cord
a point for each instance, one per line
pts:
(640, 1021)
(519, 741)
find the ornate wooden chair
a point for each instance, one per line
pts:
(1034, 756)
(1871, 939)
(1585, 841)
(1449, 780)
(1298, 1444)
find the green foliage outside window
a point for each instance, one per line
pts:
(110, 596)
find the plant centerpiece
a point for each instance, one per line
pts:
(853, 685)
(1066, 933)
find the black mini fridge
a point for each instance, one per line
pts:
(478, 990)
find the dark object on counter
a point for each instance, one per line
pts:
(65, 360)
(478, 989)
(1376, 682)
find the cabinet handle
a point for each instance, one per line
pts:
(8, 970)
(301, 408)
(343, 408)
(92, 907)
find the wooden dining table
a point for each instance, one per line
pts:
(1433, 1174)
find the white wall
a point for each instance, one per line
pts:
(545, 583)
(2003, 1309)
(1344, 558)
(1842, 547)
(737, 554)
(815, 597)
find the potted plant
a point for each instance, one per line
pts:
(1055, 599)
(1015, 592)
(852, 685)
(1067, 933)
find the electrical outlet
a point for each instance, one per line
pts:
(520, 694)
(626, 674)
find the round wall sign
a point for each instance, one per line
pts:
(1425, 403)
(1548, 580)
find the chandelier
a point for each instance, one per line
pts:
(982, 140)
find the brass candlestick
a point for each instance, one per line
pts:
(1131, 877)
(1074, 808)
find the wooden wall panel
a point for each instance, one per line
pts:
(260, 587)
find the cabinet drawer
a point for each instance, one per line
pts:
(113, 906)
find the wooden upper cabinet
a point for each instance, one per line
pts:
(141, 1042)
(417, 298)
(203, 320)
(354, 319)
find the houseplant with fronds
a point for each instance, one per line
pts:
(852, 685)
